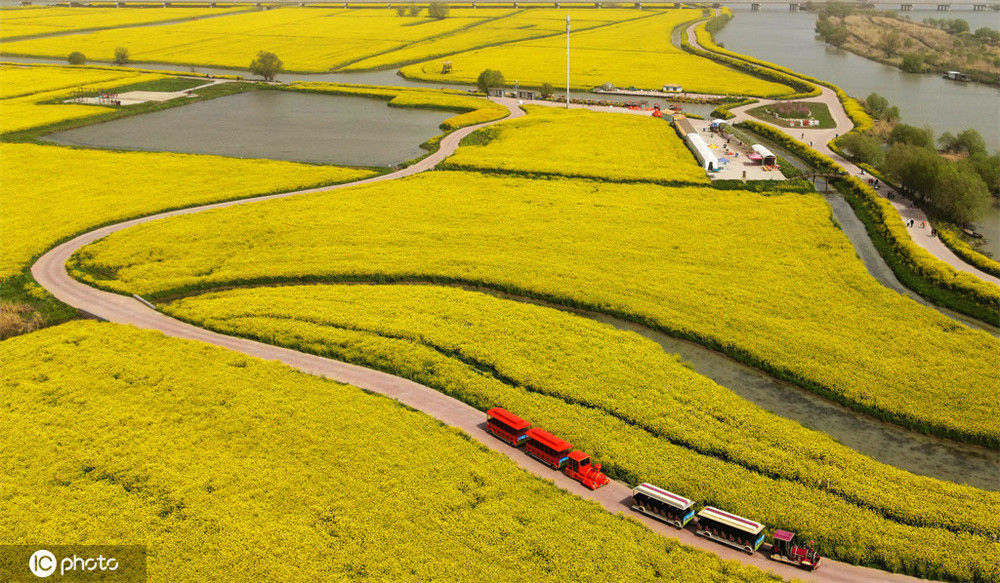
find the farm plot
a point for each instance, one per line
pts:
(489, 351)
(767, 279)
(31, 95)
(118, 435)
(511, 27)
(634, 53)
(38, 20)
(581, 143)
(306, 39)
(86, 188)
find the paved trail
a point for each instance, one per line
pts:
(819, 140)
(50, 272)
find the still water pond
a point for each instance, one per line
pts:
(281, 125)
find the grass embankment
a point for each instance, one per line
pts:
(310, 40)
(767, 279)
(581, 143)
(277, 474)
(681, 430)
(634, 53)
(16, 22)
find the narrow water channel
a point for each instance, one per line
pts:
(892, 445)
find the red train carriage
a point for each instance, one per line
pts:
(785, 550)
(580, 469)
(507, 426)
(547, 448)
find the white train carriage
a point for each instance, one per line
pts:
(729, 529)
(662, 505)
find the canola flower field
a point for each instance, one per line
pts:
(637, 52)
(29, 96)
(38, 20)
(490, 351)
(534, 22)
(214, 460)
(306, 39)
(767, 279)
(581, 143)
(87, 188)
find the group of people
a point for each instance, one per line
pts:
(923, 225)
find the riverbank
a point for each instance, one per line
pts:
(914, 47)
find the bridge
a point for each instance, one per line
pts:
(902, 5)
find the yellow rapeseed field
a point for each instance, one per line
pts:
(25, 90)
(37, 20)
(306, 39)
(534, 22)
(232, 468)
(769, 279)
(553, 364)
(635, 53)
(51, 192)
(578, 142)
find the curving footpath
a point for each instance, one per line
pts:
(50, 272)
(819, 139)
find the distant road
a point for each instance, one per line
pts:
(899, 4)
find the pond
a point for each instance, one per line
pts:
(281, 125)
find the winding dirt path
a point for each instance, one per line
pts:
(50, 272)
(819, 139)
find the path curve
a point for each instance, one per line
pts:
(819, 140)
(50, 272)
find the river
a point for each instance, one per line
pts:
(923, 99)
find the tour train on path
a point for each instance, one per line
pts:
(709, 522)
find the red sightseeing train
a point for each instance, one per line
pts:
(712, 523)
(556, 453)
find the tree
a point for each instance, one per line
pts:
(121, 56)
(987, 35)
(958, 26)
(912, 135)
(890, 43)
(416, 10)
(959, 194)
(547, 90)
(971, 142)
(864, 148)
(401, 11)
(438, 10)
(988, 168)
(489, 79)
(912, 63)
(831, 32)
(266, 65)
(76, 58)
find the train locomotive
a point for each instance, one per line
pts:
(552, 451)
(678, 511)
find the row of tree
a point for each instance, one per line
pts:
(953, 175)
(437, 10)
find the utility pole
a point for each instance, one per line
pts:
(567, 61)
